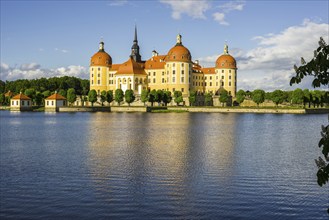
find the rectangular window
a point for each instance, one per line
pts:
(173, 79)
(47, 102)
(109, 81)
(229, 77)
(222, 77)
(182, 89)
(154, 80)
(205, 83)
(229, 83)
(153, 73)
(99, 69)
(173, 72)
(163, 73)
(92, 75)
(99, 82)
(12, 102)
(229, 71)
(222, 71)
(173, 89)
(211, 78)
(210, 83)
(149, 73)
(182, 64)
(52, 103)
(216, 77)
(163, 80)
(182, 79)
(23, 103)
(222, 83)
(99, 75)
(182, 73)
(16, 102)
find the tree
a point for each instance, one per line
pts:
(62, 92)
(240, 96)
(297, 96)
(92, 96)
(178, 97)
(318, 67)
(129, 96)
(223, 96)
(118, 96)
(46, 94)
(258, 96)
(109, 96)
(192, 97)
(159, 96)
(208, 98)
(71, 96)
(103, 97)
(39, 98)
(145, 96)
(277, 97)
(166, 97)
(2, 99)
(153, 96)
(30, 93)
(307, 97)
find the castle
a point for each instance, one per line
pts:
(174, 71)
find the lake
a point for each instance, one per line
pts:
(160, 166)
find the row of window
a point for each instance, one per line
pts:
(23, 102)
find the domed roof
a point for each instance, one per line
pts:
(226, 60)
(101, 58)
(179, 52)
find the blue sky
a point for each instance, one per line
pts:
(55, 38)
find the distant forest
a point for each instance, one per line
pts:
(81, 86)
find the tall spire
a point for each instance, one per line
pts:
(135, 48)
(135, 39)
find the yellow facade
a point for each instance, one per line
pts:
(172, 72)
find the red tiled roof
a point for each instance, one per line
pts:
(21, 97)
(209, 70)
(56, 96)
(156, 62)
(131, 67)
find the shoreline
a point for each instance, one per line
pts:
(179, 109)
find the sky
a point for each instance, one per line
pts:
(57, 38)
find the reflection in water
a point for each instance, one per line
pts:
(172, 158)
(159, 166)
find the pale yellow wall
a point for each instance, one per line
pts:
(178, 76)
(156, 79)
(98, 78)
(55, 103)
(197, 82)
(20, 103)
(228, 78)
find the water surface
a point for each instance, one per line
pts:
(160, 166)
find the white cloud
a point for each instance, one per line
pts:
(194, 9)
(34, 70)
(227, 8)
(220, 18)
(270, 64)
(232, 6)
(61, 50)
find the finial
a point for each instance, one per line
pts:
(179, 39)
(225, 48)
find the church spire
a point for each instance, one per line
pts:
(135, 48)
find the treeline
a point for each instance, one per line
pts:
(307, 98)
(39, 89)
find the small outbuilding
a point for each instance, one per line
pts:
(54, 102)
(20, 102)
